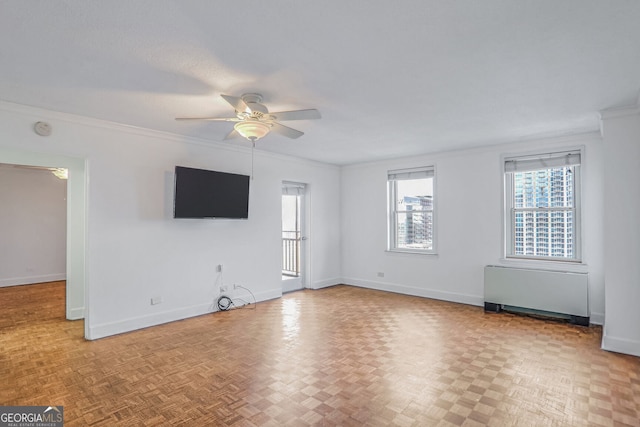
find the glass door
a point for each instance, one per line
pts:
(293, 238)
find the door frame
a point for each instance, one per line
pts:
(301, 189)
(77, 293)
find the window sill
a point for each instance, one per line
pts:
(544, 264)
(410, 252)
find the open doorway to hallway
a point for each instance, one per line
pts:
(33, 224)
(76, 211)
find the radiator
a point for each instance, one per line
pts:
(557, 292)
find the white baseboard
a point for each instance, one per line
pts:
(597, 318)
(75, 313)
(326, 283)
(134, 323)
(29, 280)
(477, 300)
(621, 345)
(261, 296)
(141, 322)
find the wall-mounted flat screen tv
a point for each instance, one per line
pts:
(203, 193)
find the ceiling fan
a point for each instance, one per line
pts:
(61, 173)
(254, 121)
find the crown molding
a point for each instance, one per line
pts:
(575, 136)
(627, 110)
(75, 119)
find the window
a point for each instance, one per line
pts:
(542, 206)
(411, 218)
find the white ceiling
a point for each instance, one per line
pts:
(391, 78)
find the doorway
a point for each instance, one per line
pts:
(293, 236)
(33, 224)
(76, 290)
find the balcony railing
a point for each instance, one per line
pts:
(291, 253)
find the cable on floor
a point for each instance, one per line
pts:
(226, 303)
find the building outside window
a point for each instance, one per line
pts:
(411, 210)
(542, 206)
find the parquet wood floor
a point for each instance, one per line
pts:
(341, 356)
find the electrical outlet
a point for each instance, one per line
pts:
(156, 300)
(380, 274)
(224, 288)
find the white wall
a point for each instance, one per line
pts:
(621, 132)
(121, 180)
(32, 225)
(469, 223)
(136, 251)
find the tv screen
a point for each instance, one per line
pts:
(203, 193)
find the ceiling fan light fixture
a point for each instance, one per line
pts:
(252, 130)
(60, 173)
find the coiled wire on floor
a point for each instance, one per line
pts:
(226, 303)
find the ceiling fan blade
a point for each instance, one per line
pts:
(311, 114)
(286, 131)
(231, 135)
(237, 103)
(210, 119)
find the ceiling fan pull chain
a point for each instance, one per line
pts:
(253, 147)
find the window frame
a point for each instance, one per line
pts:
(509, 241)
(392, 223)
